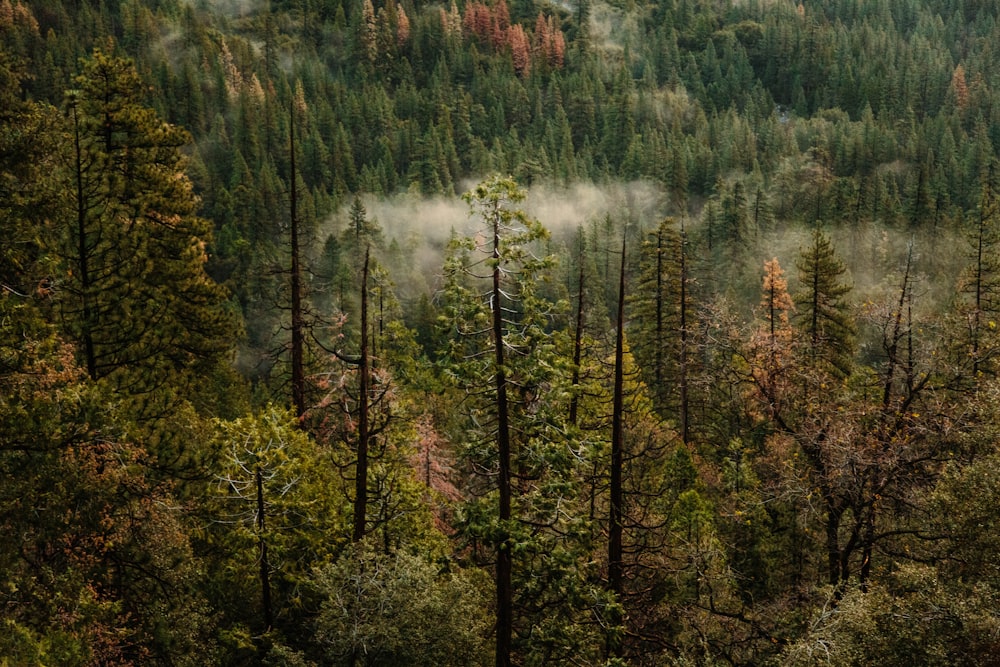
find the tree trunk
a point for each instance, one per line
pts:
(505, 596)
(81, 230)
(361, 471)
(615, 528)
(265, 566)
(298, 337)
(660, 334)
(574, 400)
(977, 312)
(683, 352)
(833, 515)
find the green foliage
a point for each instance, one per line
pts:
(822, 311)
(663, 309)
(962, 513)
(913, 617)
(298, 511)
(979, 284)
(103, 570)
(941, 614)
(399, 608)
(167, 173)
(127, 253)
(507, 240)
(496, 272)
(133, 248)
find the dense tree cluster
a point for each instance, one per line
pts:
(751, 420)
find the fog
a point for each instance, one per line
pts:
(423, 225)
(559, 208)
(874, 254)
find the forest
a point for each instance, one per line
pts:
(499, 332)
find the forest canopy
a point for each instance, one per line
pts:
(499, 332)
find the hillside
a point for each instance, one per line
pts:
(499, 332)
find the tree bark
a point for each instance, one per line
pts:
(265, 566)
(82, 249)
(361, 471)
(616, 524)
(684, 411)
(574, 401)
(505, 596)
(298, 326)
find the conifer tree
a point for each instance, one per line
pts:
(504, 358)
(296, 289)
(774, 343)
(616, 520)
(823, 314)
(508, 267)
(137, 298)
(980, 282)
(589, 323)
(662, 310)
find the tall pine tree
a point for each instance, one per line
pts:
(823, 314)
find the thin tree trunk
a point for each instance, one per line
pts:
(298, 336)
(892, 345)
(505, 596)
(615, 528)
(361, 471)
(977, 313)
(81, 230)
(683, 352)
(833, 542)
(659, 341)
(574, 401)
(265, 566)
(868, 546)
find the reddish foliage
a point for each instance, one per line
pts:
(493, 26)
(500, 27)
(433, 468)
(959, 87)
(520, 49)
(557, 48)
(477, 20)
(541, 34)
(402, 27)
(550, 44)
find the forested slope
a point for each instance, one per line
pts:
(499, 332)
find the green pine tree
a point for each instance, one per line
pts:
(147, 320)
(823, 314)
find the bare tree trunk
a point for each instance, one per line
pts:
(505, 595)
(82, 249)
(265, 566)
(298, 336)
(616, 523)
(361, 470)
(574, 401)
(298, 325)
(977, 313)
(683, 352)
(660, 334)
(892, 344)
(833, 550)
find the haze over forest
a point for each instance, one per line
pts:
(511, 332)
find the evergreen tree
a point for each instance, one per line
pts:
(148, 322)
(505, 237)
(503, 357)
(823, 313)
(141, 306)
(979, 285)
(662, 311)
